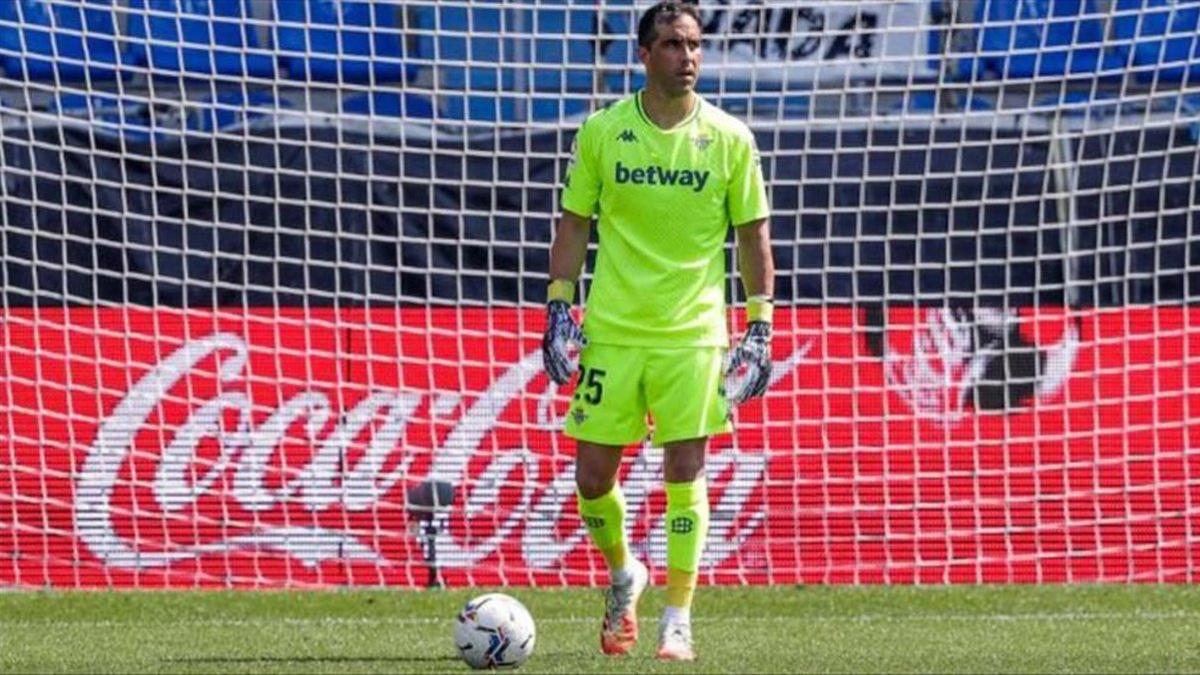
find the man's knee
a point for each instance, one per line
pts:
(684, 470)
(596, 470)
(684, 462)
(593, 485)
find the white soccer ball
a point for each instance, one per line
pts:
(494, 631)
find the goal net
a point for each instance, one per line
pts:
(272, 276)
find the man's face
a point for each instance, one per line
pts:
(673, 60)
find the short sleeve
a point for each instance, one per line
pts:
(581, 187)
(747, 193)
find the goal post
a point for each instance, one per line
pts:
(272, 276)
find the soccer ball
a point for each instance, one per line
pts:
(494, 631)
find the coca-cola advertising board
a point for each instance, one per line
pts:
(281, 447)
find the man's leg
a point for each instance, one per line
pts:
(602, 508)
(687, 528)
(601, 504)
(608, 412)
(686, 398)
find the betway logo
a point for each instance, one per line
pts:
(657, 175)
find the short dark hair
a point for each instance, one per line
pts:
(664, 12)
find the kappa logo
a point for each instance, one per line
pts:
(627, 136)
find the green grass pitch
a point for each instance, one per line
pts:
(771, 629)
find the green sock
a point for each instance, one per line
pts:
(687, 528)
(604, 517)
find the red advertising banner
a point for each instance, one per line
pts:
(289, 447)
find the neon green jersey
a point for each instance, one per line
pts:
(664, 199)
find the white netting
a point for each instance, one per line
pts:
(272, 277)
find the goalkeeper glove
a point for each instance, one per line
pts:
(561, 333)
(749, 370)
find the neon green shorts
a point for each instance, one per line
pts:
(683, 390)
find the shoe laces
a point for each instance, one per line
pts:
(677, 631)
(616, 601)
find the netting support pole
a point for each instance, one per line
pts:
(1066, 177)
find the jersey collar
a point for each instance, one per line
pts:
(637, 102)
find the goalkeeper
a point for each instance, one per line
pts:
(665, 174)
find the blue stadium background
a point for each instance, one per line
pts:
(112, 193)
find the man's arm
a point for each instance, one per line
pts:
(569, 249)
(755, 260)
(567, 253)
(750, 362)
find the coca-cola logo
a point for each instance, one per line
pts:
(337, 486)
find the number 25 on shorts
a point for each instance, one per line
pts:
(590, 387)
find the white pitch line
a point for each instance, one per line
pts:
(391, 620)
